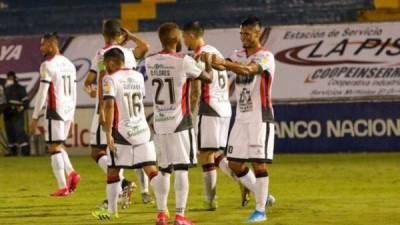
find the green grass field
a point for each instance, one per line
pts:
(337, 189)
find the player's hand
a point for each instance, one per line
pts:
(111, 143)
(102, 120)
(20, 108)
(91, 91)
(128, 33)
(71, 131)
(217, 60)
(33, 126)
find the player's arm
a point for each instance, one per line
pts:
(88, 88)
(142, 47)
(250, 69)
(108, 107)
(206, 75)
(41, 97)
(195, 93)
(101, 100)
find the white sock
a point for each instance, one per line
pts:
(112, 196)
(261, 192)
(121, 178)
(223, 165)
(160, 184)
(102, 162)
(249, 181)
(67, 162)
(181, 191)
(57, 163)
(143, 180)
(210, 183)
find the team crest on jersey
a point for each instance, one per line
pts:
(245, 102)
(106, 87)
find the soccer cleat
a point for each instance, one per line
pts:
(147, 199)
(257, 216)
(103, 214)
(60, 193)
(128, 188)
(210, 205)
(162, 219)
(270, 201)
(73, 180)
(245, 195)
(180, 220)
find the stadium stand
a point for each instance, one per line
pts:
(23, 17)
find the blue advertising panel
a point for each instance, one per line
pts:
(338, 127)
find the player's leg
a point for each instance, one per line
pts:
(73, 177)
(208, 144)
(261, 152)
(237, 154)
(98, 144)
(220, 159)
(161, 182)
(57, 164)
(144, 186)
(54, 137)
(145, 156)
(209, 178)
(113, 189)
(183, 155)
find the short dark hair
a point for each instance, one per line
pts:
(13, 75)
(252, 22)
(51, 36)
(114, 54)
(112, 28)
(194, 27)
(165, 32)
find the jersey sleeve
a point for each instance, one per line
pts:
(45, 73)
(41, 95)
(108, 87)
(265, 61)
(191, 68)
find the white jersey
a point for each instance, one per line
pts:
(215, 96)
(58, 86)
(253, 93)
(99, 68)
(169, 74)
(126, 87)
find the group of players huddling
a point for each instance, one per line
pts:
(182, 85)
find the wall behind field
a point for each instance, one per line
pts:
(336, 87)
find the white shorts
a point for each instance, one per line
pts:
(128, 156)
(251, 142)
(176, 150)
(212, 133)
(56, 130)
(98, 137)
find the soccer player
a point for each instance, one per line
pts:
(112, 33)
(58, 87)
(127, 132)
(170, 74)
(252, 136)
(214, 114)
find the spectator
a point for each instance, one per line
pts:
(17, 103)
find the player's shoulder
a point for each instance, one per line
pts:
(210, 49)
(264, 52)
